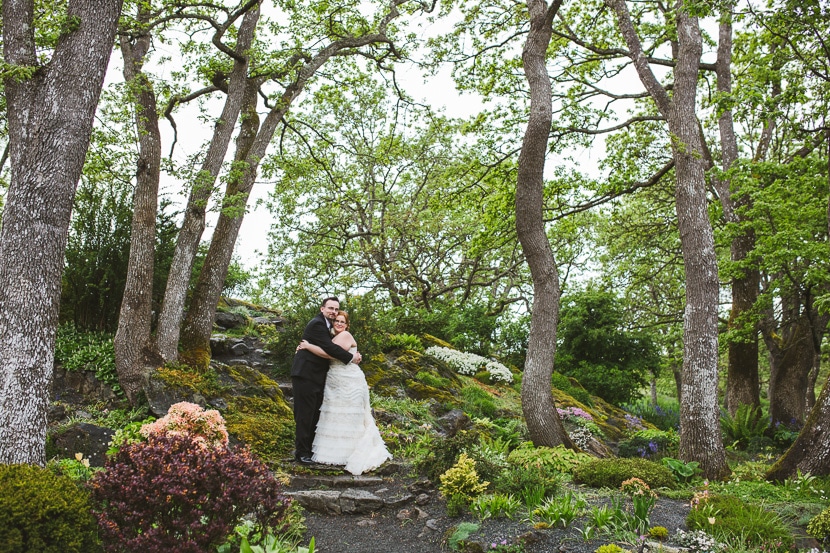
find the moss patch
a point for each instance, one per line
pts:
(265, 425)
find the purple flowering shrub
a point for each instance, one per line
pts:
(174, 493)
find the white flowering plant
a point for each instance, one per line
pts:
(470, 364)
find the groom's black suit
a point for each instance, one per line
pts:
(308, 379)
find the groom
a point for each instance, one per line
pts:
(308, 376)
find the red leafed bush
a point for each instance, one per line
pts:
(172, 493)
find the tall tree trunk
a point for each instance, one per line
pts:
(187, 242)
(699, 413)
(198, 324)
(809, 453)
(794, 350)
(743, 383)
(132, 338)
(50, 115)
(539, 410)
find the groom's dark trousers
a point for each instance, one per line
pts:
(308, 380)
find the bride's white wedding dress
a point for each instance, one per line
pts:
(346, 433)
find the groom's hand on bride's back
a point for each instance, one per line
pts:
(357, 358)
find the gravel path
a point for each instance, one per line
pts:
(423, 526)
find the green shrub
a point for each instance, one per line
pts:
(558, 458)
(404, 341)
(658, 533)
(523, 481)
(650, 444)
(609, 548)
(729, 519)
(44, 512)
(443, 452)
(78, 350)
(478, 403)
(611, 472)
(819, 527)
(462, 480)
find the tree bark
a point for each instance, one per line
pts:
(699, 412)
(198, 324)
(132, 338)
(809, 453)
(50, 115)
(743, 383)
(539, 410)
(187, 242)
(794, 350)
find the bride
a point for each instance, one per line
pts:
(346, 433)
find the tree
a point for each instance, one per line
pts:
(348, 32)
(382, 195)
(538, 407)
(699, 413)
(50, 106)
(597, 347)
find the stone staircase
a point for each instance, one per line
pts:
(321, 491)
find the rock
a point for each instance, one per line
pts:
(90, 440)
(347, 502)
(422, 499)
(454, 421)
(77, 386)
(240, 348)
(227, 320)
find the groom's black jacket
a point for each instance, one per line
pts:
(309, 366)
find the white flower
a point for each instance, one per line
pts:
(470, 363)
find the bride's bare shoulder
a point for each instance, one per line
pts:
(344, 339)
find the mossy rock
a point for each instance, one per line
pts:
(253, 405)
(265, 425)
(430, 340)
(401, 374)
(610, 418)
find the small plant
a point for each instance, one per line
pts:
(78, 350)
(404, 341)
(495, 506)
(747, 425)
(600, 516)
(44, 512)
(461, 484)
(684, 472)
(186, 418)
(665, 414)
(819, 528)
(469, 363)
(76, 469)
(609, 548)
(729, 519)
(642, 499)
(559, 458)
(534, 479)
(659, 533)
(559, 511)
(698, 541)
(460, 534)
(504, 547)
(650, 443)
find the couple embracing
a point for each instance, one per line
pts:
(332, 414)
